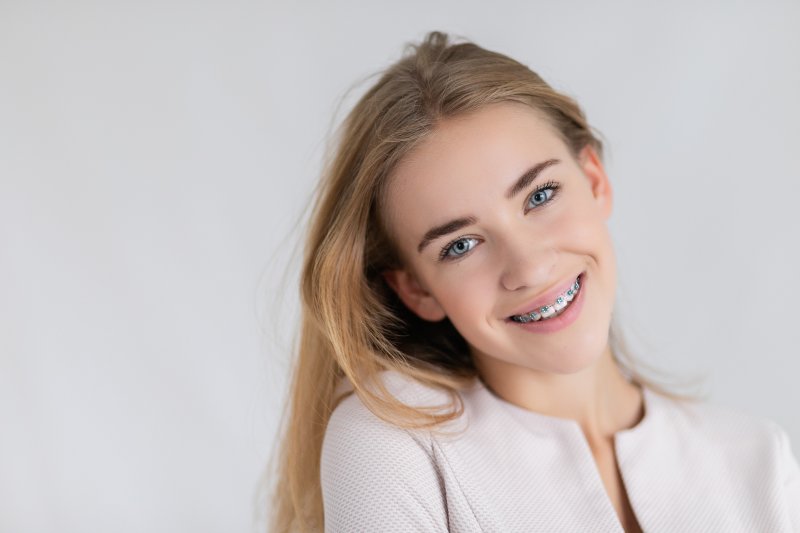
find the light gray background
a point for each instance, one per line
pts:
(155, 156)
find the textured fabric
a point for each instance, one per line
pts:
(686, 468)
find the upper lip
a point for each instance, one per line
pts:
(546, 298)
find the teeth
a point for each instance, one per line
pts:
(548, 311)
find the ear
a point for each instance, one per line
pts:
(413, 295)
(592, 167)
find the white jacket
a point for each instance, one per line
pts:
(686, 468)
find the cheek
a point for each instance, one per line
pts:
(465, 293)
(591, 237)
(587, 229)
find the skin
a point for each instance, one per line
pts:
(518, 249)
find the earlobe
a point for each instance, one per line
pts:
(413, 295)
(593, 168)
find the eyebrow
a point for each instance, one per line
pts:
(454, 225)
(445, 229)
(527, 178)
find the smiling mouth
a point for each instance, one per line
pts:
(562, 302)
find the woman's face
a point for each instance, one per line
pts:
(484, 246)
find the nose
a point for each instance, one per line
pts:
(528, 261)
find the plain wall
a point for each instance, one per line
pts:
(156, 156)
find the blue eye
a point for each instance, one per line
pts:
(541, 196)
(458, 248)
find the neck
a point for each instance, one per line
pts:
(598, 397)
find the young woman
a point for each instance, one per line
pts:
(457, 369)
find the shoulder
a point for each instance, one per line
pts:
(352, 419)
(716, 420)
(354, 428)
(747, 450)
(372, 470)
(741, 435)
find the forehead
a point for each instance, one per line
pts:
(466, 165)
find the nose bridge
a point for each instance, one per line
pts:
(529, 258)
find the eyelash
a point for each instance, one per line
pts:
(543, 187)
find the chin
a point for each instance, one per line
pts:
(575, 358)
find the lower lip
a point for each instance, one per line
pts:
(561, 321)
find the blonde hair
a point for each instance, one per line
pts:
(353, 325)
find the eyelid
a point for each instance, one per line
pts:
(446, 248)
(547, 185)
